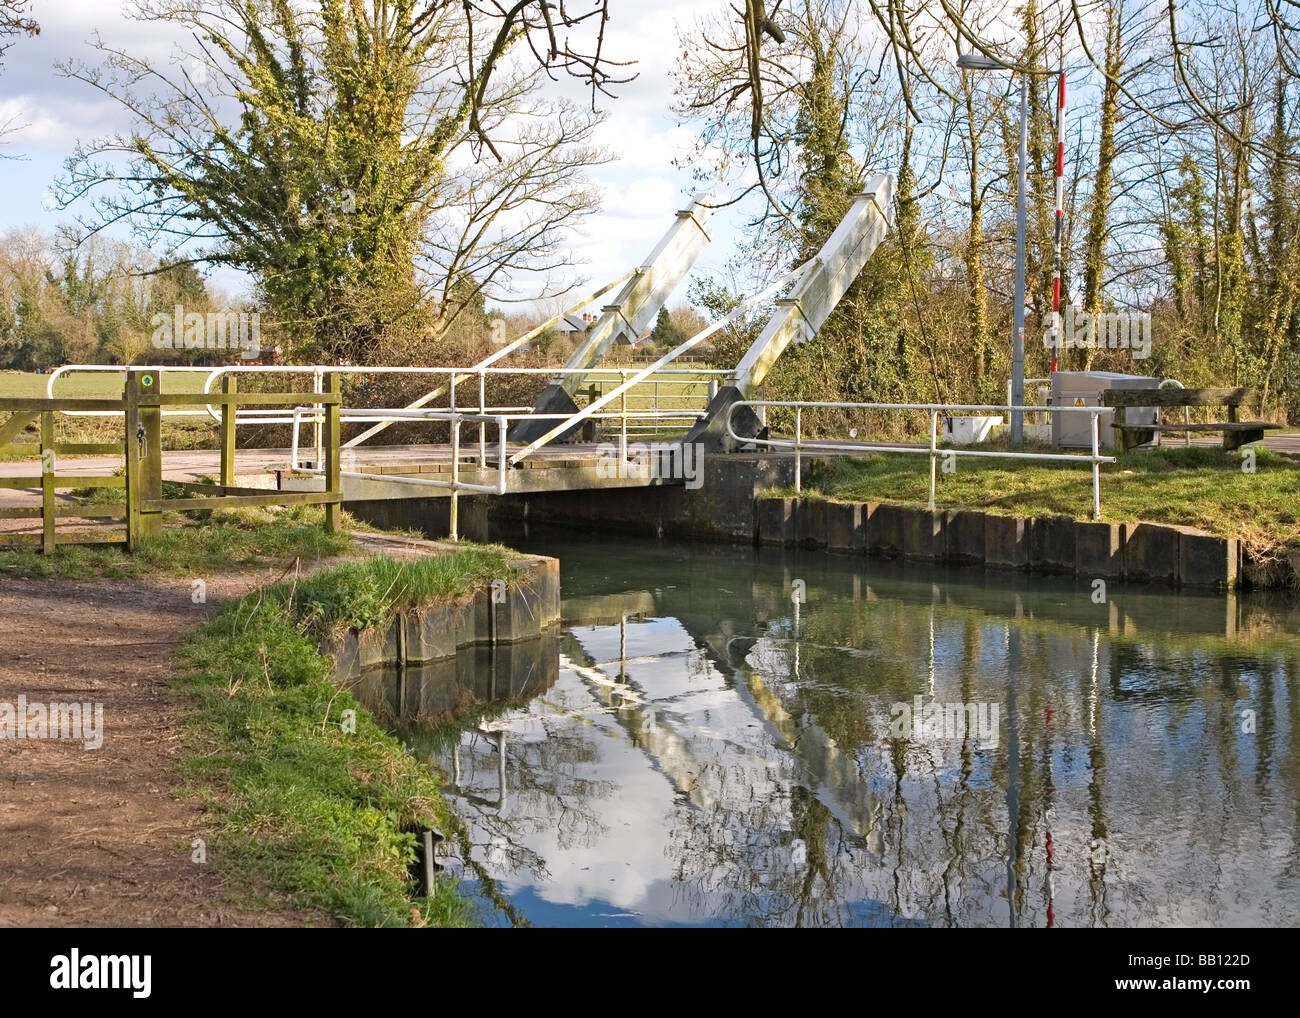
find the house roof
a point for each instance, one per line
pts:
(572, 323)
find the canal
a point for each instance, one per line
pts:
(767, 737)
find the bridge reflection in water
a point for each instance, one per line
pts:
(698, 748)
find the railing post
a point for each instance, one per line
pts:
(503, 477)
(934, 451)
(293, 439)
(143, 449)
(229, 385)
(151, 463)
(317, 439)
(482, 424)
(332, 457)
(131, 461)
(1096, 466)
(622, 435)
(452, 530)
(798, 437)
(47, 482)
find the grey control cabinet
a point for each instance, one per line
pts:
(1084, 388)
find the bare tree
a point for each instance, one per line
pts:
(777, 128)
(14, 22)
(494, 224)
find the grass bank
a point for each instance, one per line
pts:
(361, 594)
(226, 539)
(319, 815)
(1201, 487)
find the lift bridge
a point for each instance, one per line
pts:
(588, 429)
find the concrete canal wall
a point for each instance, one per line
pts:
(1144, 552)
(721, 508)
(522, 610)
(731, 505)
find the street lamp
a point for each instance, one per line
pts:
(980, 62)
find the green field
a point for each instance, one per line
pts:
(178, 432)
(91, 385)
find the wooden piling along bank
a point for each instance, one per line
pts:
(1146, 552)
(141, 408)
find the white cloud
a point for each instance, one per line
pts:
(645, 198)
(61, 110)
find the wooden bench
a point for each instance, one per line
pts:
(1235, 433)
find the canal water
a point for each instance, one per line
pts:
(769, 737)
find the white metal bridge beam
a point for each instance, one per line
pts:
(843, 256)
(632, 311)
(798, 316)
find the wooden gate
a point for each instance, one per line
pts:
(140, 449)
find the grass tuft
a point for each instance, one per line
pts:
(358, 595)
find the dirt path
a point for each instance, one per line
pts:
(99, 837)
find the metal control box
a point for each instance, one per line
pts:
(1084, 388)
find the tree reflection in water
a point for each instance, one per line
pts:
(702, 755)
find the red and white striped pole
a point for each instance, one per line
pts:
(1060, 217)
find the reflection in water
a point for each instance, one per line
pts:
(704, 749)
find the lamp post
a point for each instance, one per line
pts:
(979, 62)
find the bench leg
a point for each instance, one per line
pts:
(1236, 439)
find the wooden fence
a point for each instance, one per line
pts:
(141, 406)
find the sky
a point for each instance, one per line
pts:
(642, 189)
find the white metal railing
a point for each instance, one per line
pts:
(1187, 414)
(932, 450)
(454, 485)
(663, 377)
(453, 375)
